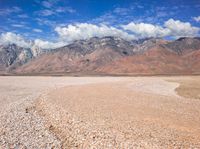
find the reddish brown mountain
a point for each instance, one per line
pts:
(157, 60)
(111, 55)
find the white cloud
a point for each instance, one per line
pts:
(144, 30)
(47, 4)
(178, 28)
(121, 11)
(67, 35)
(197, 19)
(65, 9)
(47, 45)
(10, 38)
(43, 21)
(23, 16)
(18, 25)
(174, 28)
(131, 31)
(46, 12)
(86, 31)
(55, 11)
(107, 18)
(37, 30)
(16, 9)
(8, 11)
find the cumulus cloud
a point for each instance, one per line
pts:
(86, 31)
(171, 27)
(66, 35)
(47, 45)
(144, 30)
(10, 38)
(178, 28)
(197, 19)
(131, 31)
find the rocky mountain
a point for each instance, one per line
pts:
(106, 55)
(184, 45)
(72, 57)
(12, 56)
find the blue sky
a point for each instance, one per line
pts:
(49, 20)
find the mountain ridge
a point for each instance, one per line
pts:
(108, 55)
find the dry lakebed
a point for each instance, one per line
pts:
(99, 112)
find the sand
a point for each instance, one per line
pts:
(98, 112)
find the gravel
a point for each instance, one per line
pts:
(22, 127)
(96, 112)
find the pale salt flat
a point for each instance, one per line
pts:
(157, 86)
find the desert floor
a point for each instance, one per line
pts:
(100, 112)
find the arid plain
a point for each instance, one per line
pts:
(100, 112)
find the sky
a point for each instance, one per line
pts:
(54, 23)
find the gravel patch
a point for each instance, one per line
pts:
(22, 127)
(20, 124)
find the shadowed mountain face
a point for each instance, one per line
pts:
(107, 55)
(184, 45)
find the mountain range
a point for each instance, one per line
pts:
(106, 55)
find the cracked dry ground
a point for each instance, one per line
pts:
(104, 112)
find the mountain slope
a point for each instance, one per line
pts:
(177, 57)
(12, 56)
(84, 56)
(184, 45)
(155, 61)
(111, 55)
